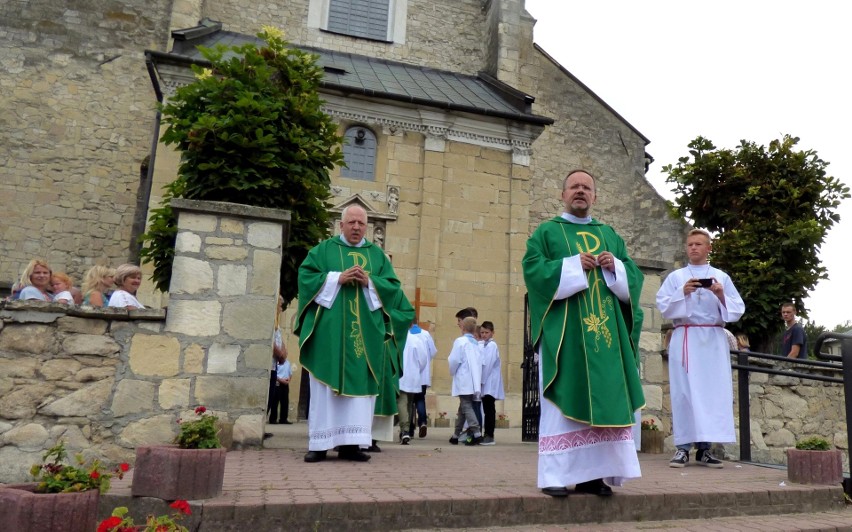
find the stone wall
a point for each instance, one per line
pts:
(783, 410)
(109, 380)
(76, 123)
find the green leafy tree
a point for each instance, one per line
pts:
(770, 210)
(250, 130)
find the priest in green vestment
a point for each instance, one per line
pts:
(585, 321)
(352, 316)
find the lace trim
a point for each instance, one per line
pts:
(333, 432)
(584, 438)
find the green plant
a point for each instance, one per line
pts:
(770, 209)
(200, 433)
(649, 424)
(55, 477)
(814, 443)
(250, 130)
(442, 415)
(502, 417)
(120, 521)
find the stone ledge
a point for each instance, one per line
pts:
(34, 311)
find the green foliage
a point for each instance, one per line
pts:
(813, 444)
(250, 130)
(771, 210)
(200, 433)
(53, 476)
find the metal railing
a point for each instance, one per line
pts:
(744, 369)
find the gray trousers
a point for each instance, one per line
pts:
(467, 413)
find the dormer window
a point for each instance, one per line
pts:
(378, 20)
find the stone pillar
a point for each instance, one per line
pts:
(222, 304)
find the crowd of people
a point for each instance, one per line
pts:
(102, 286)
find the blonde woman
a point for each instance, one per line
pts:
(127, 278)
(96, 284)
(35, 281)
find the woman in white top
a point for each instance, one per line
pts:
(128, 277)
(35, 281)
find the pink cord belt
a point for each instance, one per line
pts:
(684, 355)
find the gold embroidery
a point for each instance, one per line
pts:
(356, 331)
(596, 310)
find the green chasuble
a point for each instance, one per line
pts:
(344, 346)
(590, 340)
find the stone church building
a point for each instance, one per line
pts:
(459, 132)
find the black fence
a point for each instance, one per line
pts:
(530, 408)
(745, 368)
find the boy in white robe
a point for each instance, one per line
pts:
(700, 300)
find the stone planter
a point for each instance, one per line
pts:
(23, 510)
(442, 422)
(814, 467)
(170, 473)
(652, 441)
(501, 423)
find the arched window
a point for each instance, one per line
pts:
(359, 153)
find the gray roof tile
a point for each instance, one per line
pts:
(419, 85)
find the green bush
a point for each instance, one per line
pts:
(813, 444)
(250, 130)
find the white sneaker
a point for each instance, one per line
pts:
(404, 439)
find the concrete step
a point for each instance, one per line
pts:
(431, 484)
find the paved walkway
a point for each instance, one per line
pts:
(431, 485)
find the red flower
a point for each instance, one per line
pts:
(200, 410)
(182, 506)
(94, 474)
(125, 467)
(109, 523)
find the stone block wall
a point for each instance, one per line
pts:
(76, 123)
(783, 410)
(109, 380)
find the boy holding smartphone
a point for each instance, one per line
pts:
(700, 300)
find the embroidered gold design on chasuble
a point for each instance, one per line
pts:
(356, 333)
(595, 309)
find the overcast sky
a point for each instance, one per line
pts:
(726, 70)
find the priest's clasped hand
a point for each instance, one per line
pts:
(606, 260)
(355, 274)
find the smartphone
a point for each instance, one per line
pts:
(705, 282)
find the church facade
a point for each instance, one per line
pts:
(459, 132)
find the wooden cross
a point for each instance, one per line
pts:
(418, 303)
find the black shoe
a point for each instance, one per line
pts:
(555, 491)
(374, 448)
(703, 457)
(351, 452)
(595, 487)
(404, 438)
(315, 456)
(454, 440)
(267, 435)
(422, 433)
(680, 459)
(286, 423)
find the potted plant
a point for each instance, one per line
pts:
(442, 420)
(192, 469)
(502, 421)
(121, 521)
(814, 461)
(652, 437)
(63, 498)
